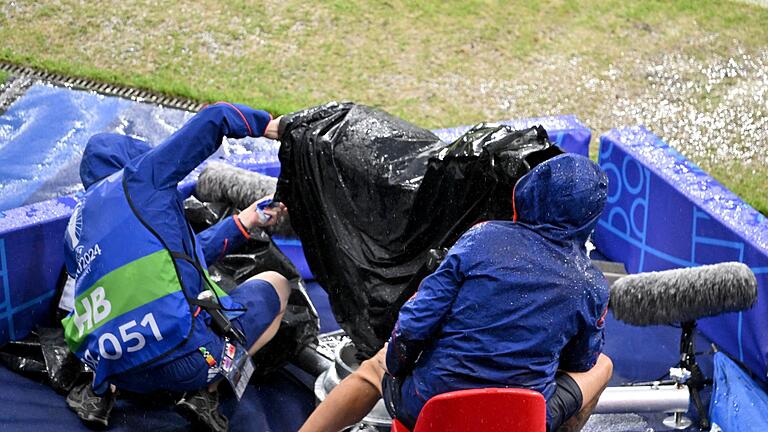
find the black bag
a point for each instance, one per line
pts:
(370, 195)
(44, 356)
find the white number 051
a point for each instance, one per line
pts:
(132, 341)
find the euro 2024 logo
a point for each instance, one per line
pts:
(75, 228)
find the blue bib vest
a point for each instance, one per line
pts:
(131, 309)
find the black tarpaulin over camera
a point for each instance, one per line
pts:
(370, 194)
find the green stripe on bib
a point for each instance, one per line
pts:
(120, 291)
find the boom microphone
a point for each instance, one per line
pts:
(220, 182)
(681, 295)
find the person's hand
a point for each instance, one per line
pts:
(277, 211)
(272, 128)
(250, 216)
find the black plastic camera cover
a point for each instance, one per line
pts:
(370, 195)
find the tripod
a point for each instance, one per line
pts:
(694, 379)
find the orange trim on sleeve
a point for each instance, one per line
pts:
(601, 321)
(250, 132)
(514, 208)
(223, 249)
(240, 227)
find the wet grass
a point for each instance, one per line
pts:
(745, 177)
(435, 63)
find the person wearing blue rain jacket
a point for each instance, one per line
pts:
(513, 304)
(140, 270)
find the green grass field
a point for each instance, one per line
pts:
(692, 71)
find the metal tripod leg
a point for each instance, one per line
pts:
(697, 380)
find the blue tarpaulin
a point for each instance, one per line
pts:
(738, 403)
(43, 134)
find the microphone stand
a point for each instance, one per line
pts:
(697, 380)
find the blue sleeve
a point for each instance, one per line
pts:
(219, 239)
(421, 316)
(581, 352)
(200, 137)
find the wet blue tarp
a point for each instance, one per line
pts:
(44, 132)
(738, 403)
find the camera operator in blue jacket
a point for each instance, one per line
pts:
(513, 304)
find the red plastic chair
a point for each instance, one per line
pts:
(486, 410)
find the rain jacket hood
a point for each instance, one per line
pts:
(106, 154)
(561, 198)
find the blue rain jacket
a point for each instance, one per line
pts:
(152, 176)
(513, 301)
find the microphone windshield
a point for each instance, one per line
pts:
(680, 295)
(220, 182)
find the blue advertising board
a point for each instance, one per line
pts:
(665, 212)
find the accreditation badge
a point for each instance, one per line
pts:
(236, 366)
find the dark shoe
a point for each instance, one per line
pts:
(201, 409)
(92, 409)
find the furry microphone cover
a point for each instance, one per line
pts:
(220, 182)
(680, 295)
